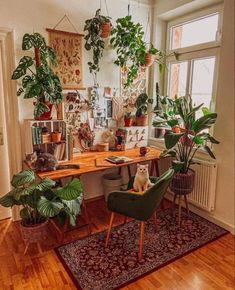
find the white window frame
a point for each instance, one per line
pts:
(189, 53)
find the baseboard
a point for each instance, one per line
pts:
(214, 219)
(5, 213)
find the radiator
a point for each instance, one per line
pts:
(203, 195)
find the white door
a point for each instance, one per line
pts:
(4, 157)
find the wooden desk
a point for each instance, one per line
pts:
(91, 162)
(95, 161)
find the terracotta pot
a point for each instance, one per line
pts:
(106, 29)
(183, 183)
(149, 59)
(46, 115)
(35, 233)
(142, 120)
(56, 136)
(128, 122)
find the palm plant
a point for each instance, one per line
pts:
(41, 200)
(185, 132)
(38, 79)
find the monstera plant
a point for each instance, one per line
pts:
(38, 80)
(186, 132)
(40, 200)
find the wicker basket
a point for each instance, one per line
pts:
(35, 233)
(103, 147)
(183, 183)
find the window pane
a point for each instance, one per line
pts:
(178, 79)
(202, 81)
(195, 32)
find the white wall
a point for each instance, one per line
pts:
(27, 16)
(224, 127)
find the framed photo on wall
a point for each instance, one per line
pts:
(69, 50)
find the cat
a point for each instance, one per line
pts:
(46, 162)
(142, 181)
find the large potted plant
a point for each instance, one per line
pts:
(141, 105)
(38, 79)
(185, 134)
(97, 28)
(40, 200)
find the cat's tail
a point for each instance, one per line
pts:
(68, 166)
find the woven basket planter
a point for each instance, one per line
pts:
(183, 183)
(35, 233)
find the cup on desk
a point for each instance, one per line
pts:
(144, 150)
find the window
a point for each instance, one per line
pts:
(196, 41)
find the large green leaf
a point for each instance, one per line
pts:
(25, 62)
(204, 122)
(46, 184)
(7, 200)
(74, 205)
(27, 42)
(171, 139)
(23, 177)
(71, 190)
(48, 208)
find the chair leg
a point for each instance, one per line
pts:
(109, 229)
(179, 214)
(186, 203)
(87, 219)
(141, 240)
(155, 220)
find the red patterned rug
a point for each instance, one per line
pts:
(93, 267)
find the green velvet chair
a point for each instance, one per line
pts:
(139, 206)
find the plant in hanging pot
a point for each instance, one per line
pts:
(97, 28)
(141, 104)
(37, 78)
(41, 200)
(183, 145)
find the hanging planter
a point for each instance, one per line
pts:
(149, 59)
(106, 29)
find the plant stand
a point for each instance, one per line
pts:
(179, 205)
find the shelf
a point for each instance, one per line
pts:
(61, 141)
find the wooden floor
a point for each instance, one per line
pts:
(209, 268)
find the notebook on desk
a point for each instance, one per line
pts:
(118, 159)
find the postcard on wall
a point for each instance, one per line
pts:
(68, 48)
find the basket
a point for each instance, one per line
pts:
(103, 147)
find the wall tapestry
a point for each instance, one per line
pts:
(68, 47)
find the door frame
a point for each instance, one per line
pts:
(10, 101)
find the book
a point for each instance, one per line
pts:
(118, 159)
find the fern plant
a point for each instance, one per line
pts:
(37, 78)
(41, 200)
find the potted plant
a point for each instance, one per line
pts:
(141, 104)
(41, 200)
(38, 79)
(128, 119)
(97, 28)
(185, 134)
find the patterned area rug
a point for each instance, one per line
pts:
(92, 267)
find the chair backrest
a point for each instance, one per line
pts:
(153, 196)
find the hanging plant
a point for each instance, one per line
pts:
(97, 28)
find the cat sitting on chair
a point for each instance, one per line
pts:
(46, 162)
(142, 181)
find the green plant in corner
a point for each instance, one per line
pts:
(141, 104)
(38, 79)
(41, 200)
(95, 28)
(186, 132)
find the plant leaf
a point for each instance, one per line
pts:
(48, 208)
(177, 165)
(71, 190)
(208, 150)
(45, 184)
(171, 139)
(23, 177)
(204, 122)
(25, 62)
